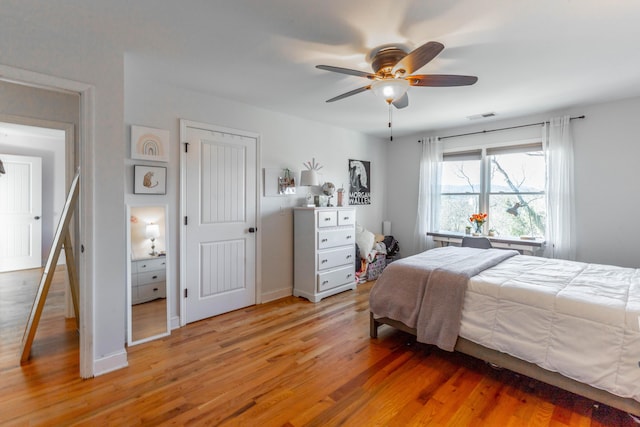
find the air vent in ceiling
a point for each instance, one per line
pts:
(481, 116)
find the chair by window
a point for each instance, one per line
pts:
(476, 242)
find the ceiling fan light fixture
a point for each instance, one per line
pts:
(390, 89)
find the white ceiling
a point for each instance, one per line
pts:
(530, 55)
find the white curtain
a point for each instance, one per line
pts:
(428, 194)
(560, 191)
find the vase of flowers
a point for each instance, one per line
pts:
(478, 219)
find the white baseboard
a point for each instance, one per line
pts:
(274, 295)
(175, 322)
(110, 363)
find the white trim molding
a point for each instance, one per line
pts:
(110, 363)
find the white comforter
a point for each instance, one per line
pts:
(581, 320)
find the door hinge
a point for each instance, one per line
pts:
(185, 220)
(186, 292)
(186, 147)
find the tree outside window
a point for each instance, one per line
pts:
(506, 182)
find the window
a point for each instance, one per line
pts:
(506, 182)
(460, 189)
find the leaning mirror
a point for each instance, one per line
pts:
(147, 290)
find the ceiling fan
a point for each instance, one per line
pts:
(392, 74)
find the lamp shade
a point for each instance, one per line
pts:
(152, 231)
(390, 89)
(309, 177)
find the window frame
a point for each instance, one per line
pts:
(483, 153)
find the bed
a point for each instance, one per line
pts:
(570, 324)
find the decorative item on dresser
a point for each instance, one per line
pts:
(324, 251)
(148, 278)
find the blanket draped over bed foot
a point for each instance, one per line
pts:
(427, 292)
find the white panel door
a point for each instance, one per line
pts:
(20, 211)
(220, 203)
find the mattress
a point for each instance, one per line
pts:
(580, 320)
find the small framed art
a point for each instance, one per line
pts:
(149, 144)
(149, 179)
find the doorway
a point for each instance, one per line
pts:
(32, 193)
(79, 139)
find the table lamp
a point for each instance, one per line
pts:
(153, 232)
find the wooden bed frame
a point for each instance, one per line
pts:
(520, 366)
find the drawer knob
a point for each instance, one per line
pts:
(324, 240)
(155, 289)
(348, 256)
(327, 219)
(325, 282)
(345, 218)
(348, 237)
(348, 275)
(154, 277)
(323, 261)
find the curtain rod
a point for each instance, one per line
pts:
(507, 128)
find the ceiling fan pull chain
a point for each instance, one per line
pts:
(390, 129)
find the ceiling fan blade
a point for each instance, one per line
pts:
(417, 58)
(349, 71)
(441, 80)
(401, 102)
(352, 92)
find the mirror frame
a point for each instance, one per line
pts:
(129, 260)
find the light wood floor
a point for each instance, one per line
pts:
(149, 319)
(286, 363)
(17, 292)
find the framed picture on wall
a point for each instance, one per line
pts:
(149, 144)
(359, 182)
(149, 180)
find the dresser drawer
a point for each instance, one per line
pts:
(334, 278)
(149, 264)
(327, 219)
(151, 277)
(152, 291)
(333, 238)
(336, 258)
(347, 217)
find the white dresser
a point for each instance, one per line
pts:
(324, 251)
(148, 279)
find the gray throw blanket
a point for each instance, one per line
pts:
(426, 291)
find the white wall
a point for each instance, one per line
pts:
(41, 38)
(50, 39)
(606, 173)
(286, 142)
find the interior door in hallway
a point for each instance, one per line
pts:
(20, 211)
(219, 247)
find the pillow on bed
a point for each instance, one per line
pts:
(365, 240)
